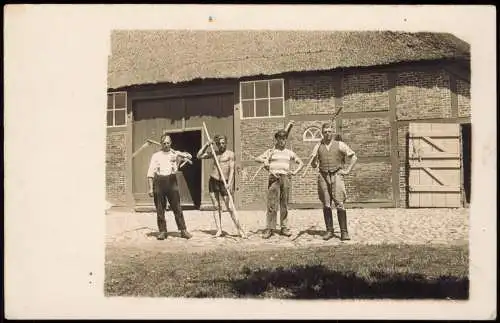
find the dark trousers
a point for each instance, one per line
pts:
(277, 194)
(166, 188)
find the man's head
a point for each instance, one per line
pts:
(280, 137)
(166, 142)
(221, 142)
(327, 131)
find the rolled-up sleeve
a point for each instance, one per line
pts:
(152, 166)
(265, 155)
(346, 149)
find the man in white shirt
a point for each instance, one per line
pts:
(162, 184)
(277, 161)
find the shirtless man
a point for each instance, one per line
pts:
(216, 185)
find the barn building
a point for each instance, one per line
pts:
(402, 99)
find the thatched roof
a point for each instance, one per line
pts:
(148, 57)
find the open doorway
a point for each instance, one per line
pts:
(189, 176)
(466, 155)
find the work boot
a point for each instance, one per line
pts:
(342, 217)
(328, 235)
(267, 234)
(327, 215)
(162, 236)
(185, 234)
(286, 232)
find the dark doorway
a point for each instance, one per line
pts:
(189, 176)
(466, 155)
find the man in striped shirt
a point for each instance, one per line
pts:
(277, 161)
(162, 184)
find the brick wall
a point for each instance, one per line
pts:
(423, 95)
(365, 92)
(311, 95)
(369, 182)
(116, 189)
(463, 95)
(368, 137)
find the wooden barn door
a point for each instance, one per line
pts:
(434, 161)
(183, 119)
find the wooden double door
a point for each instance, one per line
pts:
(183, 118)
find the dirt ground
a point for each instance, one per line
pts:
(366, 226)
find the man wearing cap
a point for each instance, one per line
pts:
(162, 184)
(330, 154)
(216, 186)
(277, 161)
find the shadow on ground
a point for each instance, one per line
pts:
(315, 282)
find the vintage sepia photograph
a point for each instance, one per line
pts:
(206, 161)
(287, 164)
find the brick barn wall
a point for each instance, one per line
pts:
(311, 95)
(463, 96)
(423, 95)
(116, 188)
(364, 124)
(365, 92)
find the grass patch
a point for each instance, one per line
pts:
(345, 271)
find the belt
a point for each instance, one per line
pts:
(164, 176)
(330, 172)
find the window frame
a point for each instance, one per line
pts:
(114, 109)
(308, 130)
(268, 98)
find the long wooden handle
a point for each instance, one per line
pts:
(153, 142)
(315, 152)
(140, 149)
(219, 168)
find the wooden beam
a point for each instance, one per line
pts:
(434, 143)
(435, 155)
(447, 163)
(434, 188)
(435, 120)
(433, 175)
(434, 134)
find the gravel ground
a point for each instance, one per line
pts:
(366, 226)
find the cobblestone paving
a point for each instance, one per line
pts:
(366, 226)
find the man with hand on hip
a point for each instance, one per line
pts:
(162, 185)
(277, 161)
(330, 154)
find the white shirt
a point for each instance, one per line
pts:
(165, 163)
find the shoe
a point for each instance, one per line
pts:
(185, 234)
(344, 236)
(328, 235)
(218, 234)
(342, 217)
(286, 232)
(267, 234)
(162, 236)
